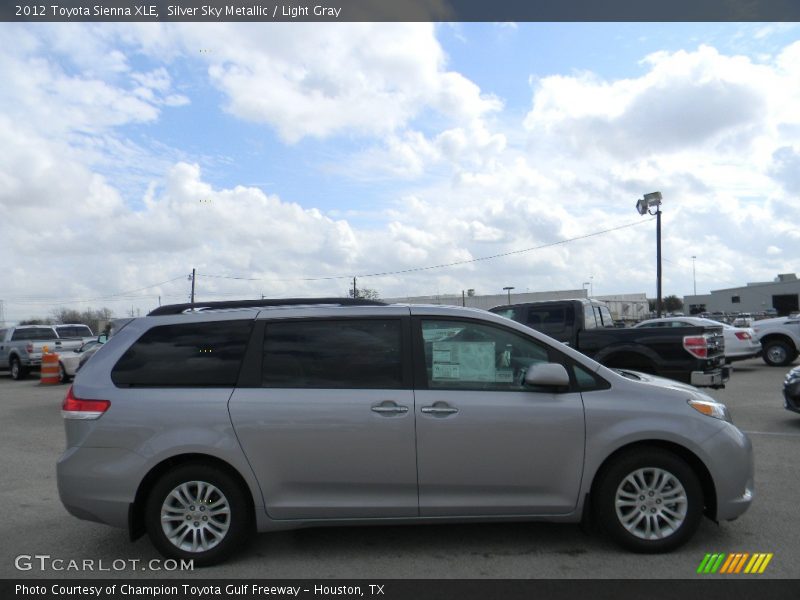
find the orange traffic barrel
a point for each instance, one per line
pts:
(49, 374)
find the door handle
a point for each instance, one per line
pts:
(439, 410)
(389, 408)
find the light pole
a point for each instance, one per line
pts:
(644, 205)
(508, 290)
(694, 276)
(585, 283)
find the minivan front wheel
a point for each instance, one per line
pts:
(197, 512)
(649, 500)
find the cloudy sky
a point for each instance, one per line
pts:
(282, 159)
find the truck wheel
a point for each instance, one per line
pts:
(198, 512)
(649, 500)
(17, 370)
(62, 374)
(777, 353)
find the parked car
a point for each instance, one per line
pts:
(69, 362)
(197, 427)
(780, 338)
(791, 390)
(693, 355)
(740, 342)
(21, 347)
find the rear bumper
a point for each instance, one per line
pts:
(715, 378)
(97, 484)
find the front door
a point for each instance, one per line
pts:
(486, 443)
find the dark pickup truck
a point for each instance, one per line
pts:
(694, 355)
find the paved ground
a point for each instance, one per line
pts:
(34, 522)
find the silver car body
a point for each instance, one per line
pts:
(315, 456)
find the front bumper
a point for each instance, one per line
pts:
(791, 391)
(713, 379)
(730, 462)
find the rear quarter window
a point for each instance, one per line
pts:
(185, 355)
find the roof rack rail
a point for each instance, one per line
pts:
(176, 309)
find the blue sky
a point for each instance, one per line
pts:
(281, 153)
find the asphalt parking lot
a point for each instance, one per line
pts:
(35, 523)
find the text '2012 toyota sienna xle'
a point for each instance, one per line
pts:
(201, 425)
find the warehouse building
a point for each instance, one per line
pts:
(781, 296)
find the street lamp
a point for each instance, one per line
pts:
(653, 200)
(585, 283)
(694, 276)
(508, 290)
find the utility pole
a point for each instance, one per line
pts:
(694, 276)
(658, 257)
(355, 289)
(193, 276)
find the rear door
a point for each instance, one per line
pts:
(329, 426)
(486, 443)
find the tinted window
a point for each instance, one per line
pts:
(357, 353)
(551, 320)
(33, 334)
(588, 314)
(74, 331)
(607, 319)
(473, 356)
(186, 355)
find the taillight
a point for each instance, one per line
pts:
(742, 335)
(78, 408)
(696, 345)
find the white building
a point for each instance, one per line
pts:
(781, 295)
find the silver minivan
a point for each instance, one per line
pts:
(201, 424)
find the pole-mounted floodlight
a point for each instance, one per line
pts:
(508, 289)
(653, 200)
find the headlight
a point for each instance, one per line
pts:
(711, 409)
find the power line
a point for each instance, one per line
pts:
(58, 300)
(440, 266)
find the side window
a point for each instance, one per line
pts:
(185, 355)
(473, 356)
(333, 354)
(605, 314)
(587, 381)
(589, 318)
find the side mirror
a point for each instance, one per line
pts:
(547, 374)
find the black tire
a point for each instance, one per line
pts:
(777, 353)
(672, 516)
(62, 374)
(17, 370)
(220, 545)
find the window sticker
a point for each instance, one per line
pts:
(468, 361)
(504, 376)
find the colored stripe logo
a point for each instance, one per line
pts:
(735, 563)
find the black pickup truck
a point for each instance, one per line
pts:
(694, 355)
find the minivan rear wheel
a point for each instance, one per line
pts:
(197, 512)
(649, 500)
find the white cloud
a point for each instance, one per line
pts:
(717, 135)
(318, 80)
